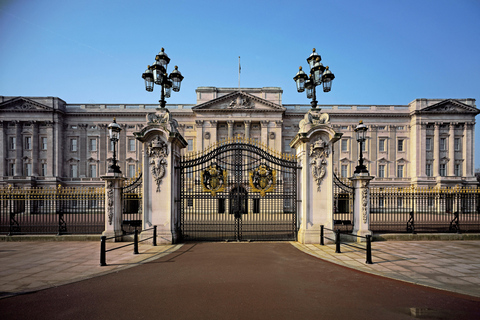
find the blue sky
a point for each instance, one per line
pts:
(381, 52)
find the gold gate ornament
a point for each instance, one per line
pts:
(213, 179)
(263, 179)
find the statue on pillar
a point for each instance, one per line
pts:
(318, 153)
(158, 151)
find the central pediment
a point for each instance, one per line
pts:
(238, 101)
(450, 106)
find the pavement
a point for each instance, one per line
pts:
(447, 265)
(258, 280)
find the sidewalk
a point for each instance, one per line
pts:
(32, 266)
(447, 265)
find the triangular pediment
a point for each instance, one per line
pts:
(450, 106)
(238, 101)
(23, 104)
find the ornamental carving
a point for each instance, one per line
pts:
(157, 151)
(213, 179)
(318, 154)
(262, 179)
(163, 118)
(313, 118)
(241, 103)
(364, 199)
(110, 202)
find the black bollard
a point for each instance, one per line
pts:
(369, 249)
(337, 241)
(321, 236)
(103, 258)
(154, 235)
(135, 242)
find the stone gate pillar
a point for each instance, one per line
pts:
(113, 205)
(314, 146)
(161, 154)
(361, 205)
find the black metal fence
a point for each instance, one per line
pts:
(132, 203)
(425, 209)
(52, 210)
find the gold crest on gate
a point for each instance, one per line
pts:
(213, 179)
(263, 179)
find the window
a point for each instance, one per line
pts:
(381, 171)
(428, 170)
(131, 170)
(400, 171)
(458, 170)
(93, 144)
(344, 171)
(28, 143)
(73, 171)
(344, 145)
(12, 143)
(190, 145)
(400, 145)
(12, 169)
(457, 144)
(43, 171)
(400, 128)
(93, 170)
(43, 143)
(73, 145)
(443, 169)
(381, 145)
(28, 169)
(443, 144)
(131, 144)
(428, 144)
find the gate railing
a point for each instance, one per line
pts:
(76, 210)
(132, 203)
(425, 209)
(343, 197)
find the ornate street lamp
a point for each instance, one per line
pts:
(157, 74)
(318, 75)
(361, 130)
(114, 132)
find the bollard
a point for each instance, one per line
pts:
(154, 235)
(103, 259)
(321, 236)
(337, 241)
(369, 249)
(135, 242)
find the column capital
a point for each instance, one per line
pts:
(264, 123)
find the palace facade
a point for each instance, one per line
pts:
(46, 141)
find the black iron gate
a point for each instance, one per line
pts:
(343, 194)
(237, 190)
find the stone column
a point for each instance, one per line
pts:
(162, 149)
(372, 151)
(213, 131)
(451, 149)
(200, 138)
(392, 153)
(113, 205)
(122, 148)
(82, 150)
(436, 150)
(248, 123)
(277, 141)
(103, 146)
(51, 150)
(18, 149)
(3, 148)
(264, 132)
(230, 128)
(361, 205)
(469, 145)
(313, 145)
(35, 149)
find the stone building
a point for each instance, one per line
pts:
(46, 141)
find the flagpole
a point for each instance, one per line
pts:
(239, 71)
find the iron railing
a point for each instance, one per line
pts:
(338, 242)
(52, 210)
(132, 203)
(425, 209)
(343, 197)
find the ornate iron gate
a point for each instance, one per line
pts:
(237, 190)
(343, 204)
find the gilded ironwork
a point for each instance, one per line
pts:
(263, 179)
(213, 179)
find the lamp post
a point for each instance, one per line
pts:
(318, 75)
(114, 132)
(360, 130)
(157, 74)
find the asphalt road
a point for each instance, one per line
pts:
(239, 281)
